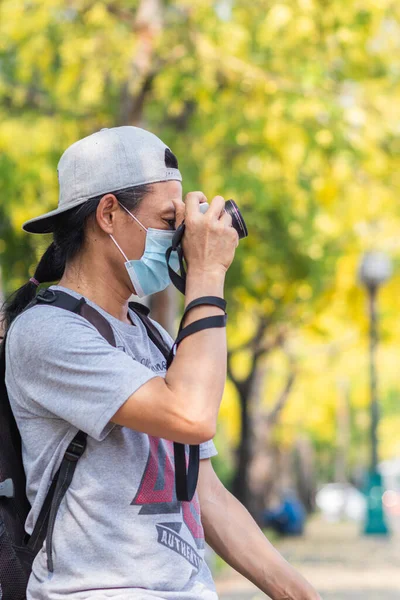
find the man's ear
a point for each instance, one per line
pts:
(106, 213)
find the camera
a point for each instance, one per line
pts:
(233, 210)
(238, 224)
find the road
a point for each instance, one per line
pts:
(337, 560)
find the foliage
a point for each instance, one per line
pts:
(291, 107)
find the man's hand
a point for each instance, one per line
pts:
(234, 535)
(210, 240)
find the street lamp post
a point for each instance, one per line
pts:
(375, 269)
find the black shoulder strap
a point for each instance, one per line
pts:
(152, 331)
(45, 522)
(140, 308)
(78, 306)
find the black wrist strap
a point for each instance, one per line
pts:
(206, 323)
(186, 477)
(206, 301)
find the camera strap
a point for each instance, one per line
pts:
(205, 323)
(186, 477)
(179, 281)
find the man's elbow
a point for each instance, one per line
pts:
(199, 429)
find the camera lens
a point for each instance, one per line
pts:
(237, 220)
(233, 210)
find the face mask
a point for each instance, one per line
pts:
(149, 274)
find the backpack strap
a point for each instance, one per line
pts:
(44, 525)
(78, 306)
(185, 479)
(66, 472)
(152, 331)
(100, 322)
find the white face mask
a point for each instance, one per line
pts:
(150, 274)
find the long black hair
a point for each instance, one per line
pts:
(68, 239)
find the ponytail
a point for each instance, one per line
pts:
(69, 237)
(50, 268)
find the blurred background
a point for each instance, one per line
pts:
(291, 108)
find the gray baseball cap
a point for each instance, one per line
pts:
(106, 161)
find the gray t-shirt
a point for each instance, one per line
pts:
(120, 533)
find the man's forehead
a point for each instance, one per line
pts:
(167, 192)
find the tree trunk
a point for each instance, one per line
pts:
(303, 466)
(240, 487)
(267, 475)
(253, 459)
(147, 26)
(164, 308)
(249, 393)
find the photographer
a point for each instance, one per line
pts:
(120, 531)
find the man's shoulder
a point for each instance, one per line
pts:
(41, 313)
(43, 324)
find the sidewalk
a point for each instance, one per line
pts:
(337, 560)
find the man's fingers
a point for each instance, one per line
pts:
(192, 201)
(216, 210)
(226, 219)
(217, 207)
(179, 212)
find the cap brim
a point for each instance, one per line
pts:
(45, 223)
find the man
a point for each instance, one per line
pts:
(121, 531)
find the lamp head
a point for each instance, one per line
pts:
(375, 268)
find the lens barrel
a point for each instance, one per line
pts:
(233, 210)
(237, 220)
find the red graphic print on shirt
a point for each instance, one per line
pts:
(157, 496)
